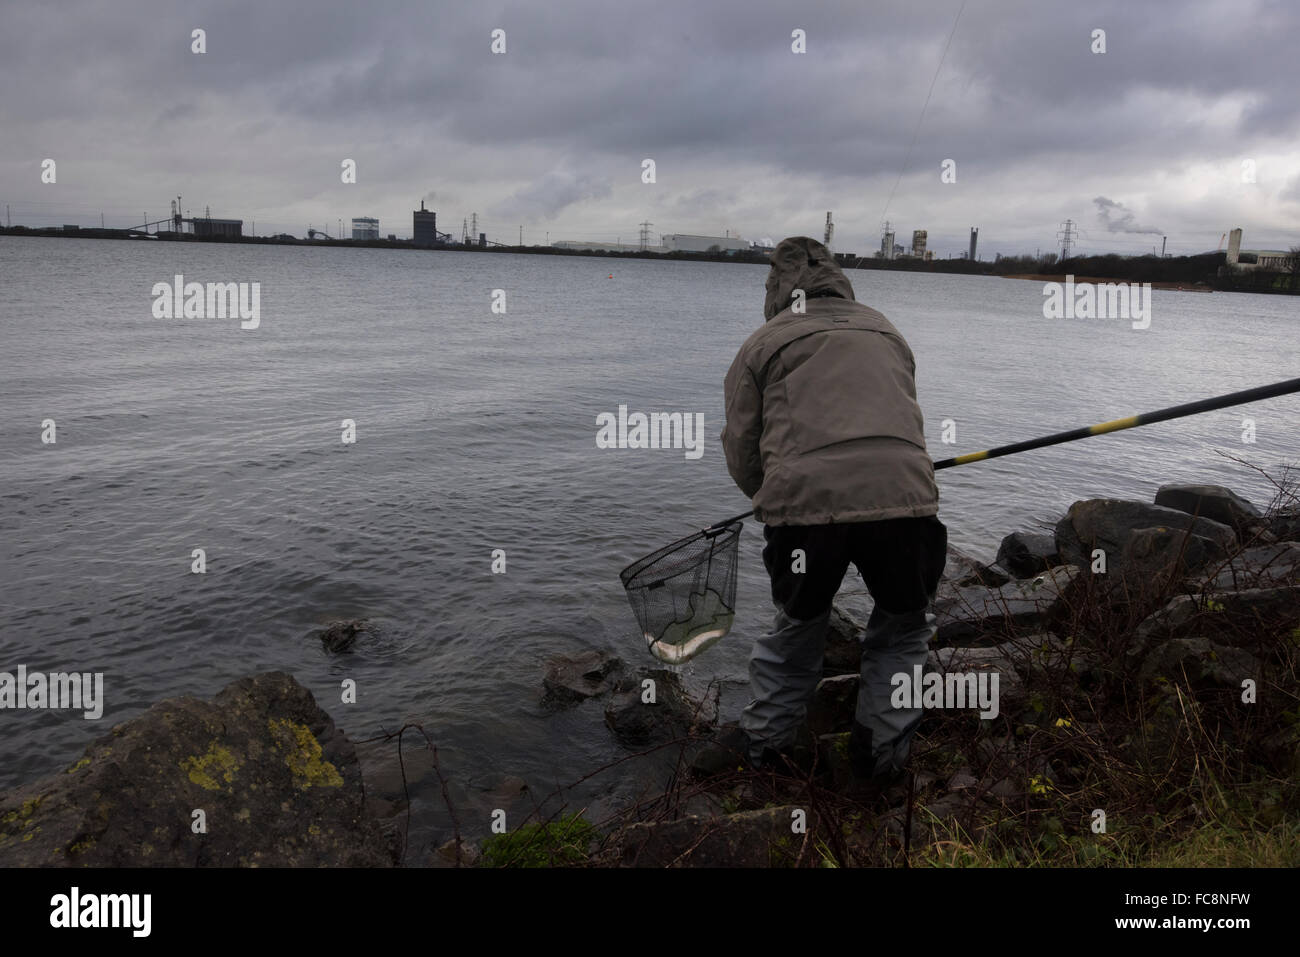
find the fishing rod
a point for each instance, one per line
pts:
(1287, 387)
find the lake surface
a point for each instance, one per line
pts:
(476, 431)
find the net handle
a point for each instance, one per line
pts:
(720, 527)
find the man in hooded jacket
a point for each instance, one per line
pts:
(824, 433)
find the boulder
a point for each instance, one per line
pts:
(1213, 502)
(976, 612)
(1201, 662)
(999, 660)
(1154, 555)
(340, 636)
(1026, 554)
(850, 613)
(1259, 567)
(843, 655)
(762, 838)
(460, 853)
(962, 780)
(833, 704)
(961, 570)
(570, 679)
(277, 783)
(637, 722)
(1285, 524)
(1108, 524)
(1245, 617)
(1044, 656)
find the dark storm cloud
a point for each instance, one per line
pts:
(744, 132)
(553, 192)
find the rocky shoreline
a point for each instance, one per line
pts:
(1132, 644)
(1126, 635)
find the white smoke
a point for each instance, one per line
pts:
(1117, 218)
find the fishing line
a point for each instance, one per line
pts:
(907, 159)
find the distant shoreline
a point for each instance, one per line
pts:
(1200, 273)
(1094, 280)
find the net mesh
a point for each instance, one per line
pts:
(684, 594)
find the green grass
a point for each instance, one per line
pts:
(563, 842)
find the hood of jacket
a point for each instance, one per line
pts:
(802, 263)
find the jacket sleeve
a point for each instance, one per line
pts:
(744, 428)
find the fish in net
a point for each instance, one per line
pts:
(684, 594)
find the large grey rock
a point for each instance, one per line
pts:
(1240, 618)
(1285, 524)
(833, 704)
(1259, 567)
(1214, 502)
(1025, 554)
(763, 838)
(1153, 556)
(570, 679)
(1201, 662)
(1000, 660)
(1044, 657)
(277, 782)
(1108, 524)
(1017, 607)
(850, 613)
(843, 651)
(639, 722)
(339, 636)
(961, 570)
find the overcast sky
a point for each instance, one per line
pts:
(1144, 140)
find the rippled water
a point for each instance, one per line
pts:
(476, 432)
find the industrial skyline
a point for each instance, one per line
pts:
(1159, 134)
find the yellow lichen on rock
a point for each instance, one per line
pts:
(304, 757)
(204, 771)
(23, 813)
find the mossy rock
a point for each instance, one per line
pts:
(278, 784)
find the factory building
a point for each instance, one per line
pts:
(605, 247)
(1278, 259)
(683, 242)
(210, 228)
(363, 227)
(919, 237)
(425, 231)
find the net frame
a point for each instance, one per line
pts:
(680, 561)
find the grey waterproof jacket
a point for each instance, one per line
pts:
(822, 420)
